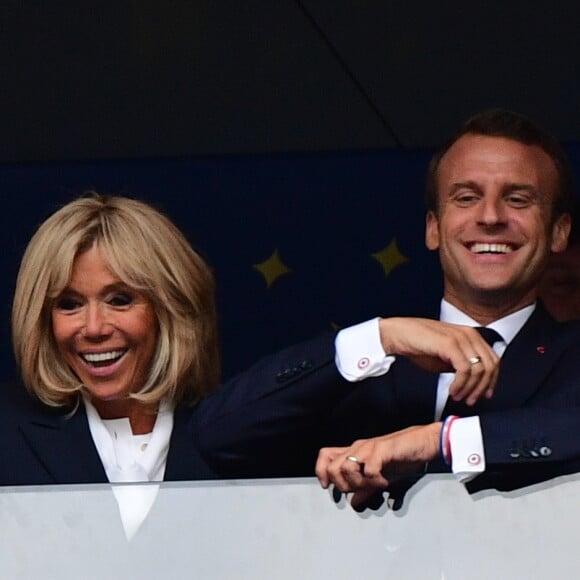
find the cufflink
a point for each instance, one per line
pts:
(474, 459)
(363, 363)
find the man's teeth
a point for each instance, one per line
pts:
(490, 248)
(99, 357)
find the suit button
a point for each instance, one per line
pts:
(545, 451)
(514, 454)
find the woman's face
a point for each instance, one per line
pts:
(105, 331)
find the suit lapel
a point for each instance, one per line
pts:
(525, 364)
(64, 446)
(184, 461)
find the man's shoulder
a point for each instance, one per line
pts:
(542, 322)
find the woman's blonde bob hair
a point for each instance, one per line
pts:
(146, 251)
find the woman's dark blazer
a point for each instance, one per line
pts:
(42, 445)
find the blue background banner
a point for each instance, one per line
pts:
(299, 243)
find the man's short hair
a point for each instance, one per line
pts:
(504, 123)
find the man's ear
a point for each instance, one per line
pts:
(560, 232)
(431, 231)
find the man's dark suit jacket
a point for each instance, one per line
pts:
(297, 401)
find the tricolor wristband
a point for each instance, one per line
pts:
(444, 442)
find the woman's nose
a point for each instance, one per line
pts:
(96, 323)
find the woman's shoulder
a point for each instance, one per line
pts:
(16, 402)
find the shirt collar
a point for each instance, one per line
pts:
(148, 466)
(508, 326)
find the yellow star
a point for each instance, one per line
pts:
(272, 268)
(390, 257)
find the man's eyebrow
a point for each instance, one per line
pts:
(522, 187)
(474, 186)
(469, 184)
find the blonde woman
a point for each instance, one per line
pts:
(114, 331)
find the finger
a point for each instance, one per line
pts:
(353, 475)
(325, 457)
(487, 383)
(367, 499)
(368, 493)
(474, 379)
(490, 391)
(346, 470)
(472, 376)
(375, 466)
(494, 378)
(342, 470)
(482, 379)
(462, 352)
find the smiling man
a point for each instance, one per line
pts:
(494, 224)
(490, 383)
(498, 199)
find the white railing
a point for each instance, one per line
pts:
(290, 529)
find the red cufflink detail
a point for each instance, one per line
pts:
(363, 363)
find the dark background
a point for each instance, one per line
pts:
(303, 126)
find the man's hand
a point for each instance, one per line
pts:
(369, 465)
(441, 347)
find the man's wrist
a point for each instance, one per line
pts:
(467, 449)
(444, 440)
(359, 353)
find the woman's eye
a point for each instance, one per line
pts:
(121, 300)
(67, 303)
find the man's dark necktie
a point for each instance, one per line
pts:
(459, 407)
(490, 335)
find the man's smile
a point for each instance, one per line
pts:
(490, 248)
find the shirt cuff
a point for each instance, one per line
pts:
(359, 352)
(467, 453)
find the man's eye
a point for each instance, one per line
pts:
(518, 200)
(466, 198)
(67, 303)
(121, 299)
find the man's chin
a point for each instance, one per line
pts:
(496, 294)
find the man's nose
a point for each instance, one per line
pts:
(491, 210)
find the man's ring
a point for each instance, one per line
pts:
(474, 360)
(353, 458)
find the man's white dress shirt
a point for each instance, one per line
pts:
(360, 355)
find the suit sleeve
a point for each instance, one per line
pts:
(270, 420)
(540, 440)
